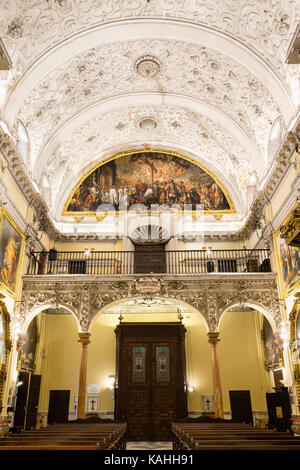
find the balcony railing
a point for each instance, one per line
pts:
(145, 262)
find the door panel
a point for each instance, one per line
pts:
(240, 403)
(33, 401)
(21, 399)
(27, 400)
(58, 411)
(151, 390)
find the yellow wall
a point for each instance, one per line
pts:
(241, 358)
(60, 368)
(113, 246)
(240, 355)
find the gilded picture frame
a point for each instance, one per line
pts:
(288, 263)
(294, 319)
(78, 215)
(12, 241)
(5, 347)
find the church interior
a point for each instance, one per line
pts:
(149, 221)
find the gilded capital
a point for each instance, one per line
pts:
(84, 339)
(213, 338)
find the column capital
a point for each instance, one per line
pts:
(213, 337)
(84, 338)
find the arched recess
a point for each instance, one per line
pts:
(152, 155)
(71, 180)
(40, 308)
(177, 303)
(256, 306)
(5, 348)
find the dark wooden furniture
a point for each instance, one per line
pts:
(151, 387)
(230, 436)
(279, 409)
(70, 436)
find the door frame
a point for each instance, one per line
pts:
(143, 332)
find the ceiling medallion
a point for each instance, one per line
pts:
(147, 66)
(148, 124)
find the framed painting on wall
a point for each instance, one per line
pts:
(273, 352)
(11, 251)
(289, 266)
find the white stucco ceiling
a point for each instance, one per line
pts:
(218, 83)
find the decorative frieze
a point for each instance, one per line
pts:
(211, 295)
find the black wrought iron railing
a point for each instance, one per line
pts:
(149, 261)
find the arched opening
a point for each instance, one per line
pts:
(143, 313)
(251, 363)
(48, 367)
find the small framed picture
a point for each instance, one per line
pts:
(208, 403)
(10, 391)
(8, 401)
(92, 404)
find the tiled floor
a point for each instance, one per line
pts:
(149, 445)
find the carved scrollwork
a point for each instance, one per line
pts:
(211, 298)
(294, 348)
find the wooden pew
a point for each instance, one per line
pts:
(78, 436)
(230, 436)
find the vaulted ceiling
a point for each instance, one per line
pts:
(92, 78)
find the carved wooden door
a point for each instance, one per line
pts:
(151, 379)
(149, 259)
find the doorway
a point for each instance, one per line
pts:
(58, 411)
(27, 400)
(241, 408)
(151, 379)
(149, 259)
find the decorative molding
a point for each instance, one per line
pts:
(290, 231)
(265, 27)
(284, 160)
(112, 70)
(294, 341)
(211, 295)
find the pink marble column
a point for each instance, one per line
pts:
(217, 390)
(84, 340)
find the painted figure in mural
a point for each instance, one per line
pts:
(148, 179)
(8, 263)
(272, 346)
(290, 263)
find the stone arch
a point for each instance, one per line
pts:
(257, 306)
(174, 299)
(39, 308)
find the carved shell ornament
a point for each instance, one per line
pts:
(147, 66)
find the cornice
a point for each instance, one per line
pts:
(283, 161)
